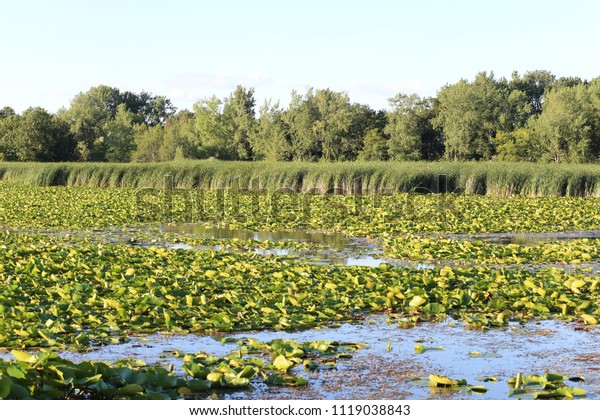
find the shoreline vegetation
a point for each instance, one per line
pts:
(489, 178)
(534, 117)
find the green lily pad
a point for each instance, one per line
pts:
(5, 384)
(420, 349)
(198, 385)
(282, 363)
(417, 301)
(129, 390)
(561, 393)
(443, 381)
(23, 356)
(589, 319)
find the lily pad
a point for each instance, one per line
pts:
(420, 348)
(282, 363)
(443, 381)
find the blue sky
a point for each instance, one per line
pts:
(188, 50)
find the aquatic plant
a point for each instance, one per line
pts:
(489, 178)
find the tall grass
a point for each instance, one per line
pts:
(490, 178)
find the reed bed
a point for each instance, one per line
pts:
(485, 178)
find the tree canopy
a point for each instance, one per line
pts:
(531, 117)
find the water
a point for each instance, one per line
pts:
(336, 248)
(332, 248)
(331, 240)
(344, 250)
(318, 257)
(378, 372)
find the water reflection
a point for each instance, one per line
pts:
(331, 240)
(338, 248)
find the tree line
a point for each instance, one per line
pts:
(534, 117)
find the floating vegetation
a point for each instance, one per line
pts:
(550, 386)
(91, 294)
(360, 215)
(444, 382)
(420, 248)
(46, 375)
(544, 387)
(64, 285)
(420, 348)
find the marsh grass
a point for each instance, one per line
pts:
(485, 178)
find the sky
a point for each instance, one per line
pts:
(190, 50)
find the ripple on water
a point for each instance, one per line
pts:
(389, 367)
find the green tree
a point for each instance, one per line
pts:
(469, 115)
(332, 126)
(300, 118)
(36, 135)
(567, 125)
(270, 140)
(8, 127)
(87, 115)
(320, 125)
(594, 92)
(149, 108)
(6, 112)
(364, 122)
(516, 110)
(569, 81)
(225, 126)
(534, 84)
(208, 123)
(520, 145)
(410, 129)
(118, 143)
(181, 141)
(239, 120)
(91, 112)
(149, 142)
(375, 146)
